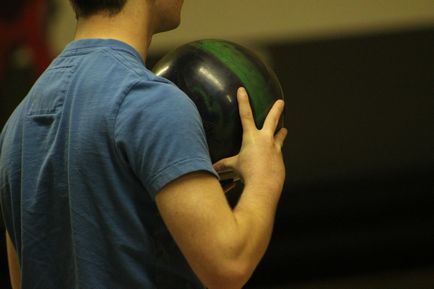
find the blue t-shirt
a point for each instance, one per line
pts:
(81, 161)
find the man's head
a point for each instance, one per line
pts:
(166, 14)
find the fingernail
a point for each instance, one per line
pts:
(242, 90)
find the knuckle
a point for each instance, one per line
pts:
(246, 114)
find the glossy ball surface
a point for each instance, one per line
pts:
(210, 73)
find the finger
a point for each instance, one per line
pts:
(226, 169)
(246, 114)
(225, 164)
(273, 117)
(228, 185)
(280, 137)
(229, 175)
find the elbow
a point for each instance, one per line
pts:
(228, 267)
(231, 275)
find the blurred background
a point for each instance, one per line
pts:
(358, 206)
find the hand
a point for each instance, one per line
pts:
(260, 161)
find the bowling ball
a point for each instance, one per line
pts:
(210, 72)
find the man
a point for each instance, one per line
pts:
(105, 176)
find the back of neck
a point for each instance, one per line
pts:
(131, 28)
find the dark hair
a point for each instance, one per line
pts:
(85, 8)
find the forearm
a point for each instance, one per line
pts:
(255, 214)
(241, 243)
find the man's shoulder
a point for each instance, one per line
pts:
(104, 61)
(156, 94)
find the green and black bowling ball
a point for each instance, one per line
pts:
(210, 73)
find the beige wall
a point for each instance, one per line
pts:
(270, 20)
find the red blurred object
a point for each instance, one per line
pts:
(27, 29)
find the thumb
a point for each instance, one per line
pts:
(226, 169)
(225, 164)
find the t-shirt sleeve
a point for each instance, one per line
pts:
(159, 133)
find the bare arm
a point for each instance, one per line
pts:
(224, 246)
(14, 265)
